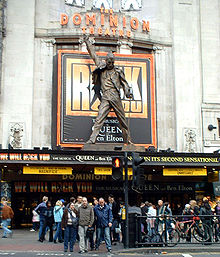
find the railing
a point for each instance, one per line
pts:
(167, 230)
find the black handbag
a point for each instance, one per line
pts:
(90, 231)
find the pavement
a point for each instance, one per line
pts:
(26, 241)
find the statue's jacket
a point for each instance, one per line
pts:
(118, 80)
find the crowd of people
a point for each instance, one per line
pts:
(93, 223)
(78, 220)
(102, 221)
(205, 210)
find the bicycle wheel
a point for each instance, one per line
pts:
(200, 232)
(172, 238)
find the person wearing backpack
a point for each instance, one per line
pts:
(69, 224)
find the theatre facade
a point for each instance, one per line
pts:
(169, 54)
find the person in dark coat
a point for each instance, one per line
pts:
(103, 214)
(206, 210)
(40, 210)
(48, 222)
(144, 211)
(115, 222)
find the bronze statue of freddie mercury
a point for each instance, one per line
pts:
(108, 80)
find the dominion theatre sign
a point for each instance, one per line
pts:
(105, 23)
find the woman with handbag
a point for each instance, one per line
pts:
(69, 224)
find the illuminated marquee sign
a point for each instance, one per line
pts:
(184, 172)
(106, 24)
(77, 106)
(108, 171)
(47, 170)
(24, 157)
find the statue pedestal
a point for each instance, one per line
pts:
(111, 147)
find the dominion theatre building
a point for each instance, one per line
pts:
(169, 52)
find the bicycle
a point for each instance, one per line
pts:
(199, 231)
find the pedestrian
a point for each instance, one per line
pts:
(144, 211)
(63, 203)
(69, 224)
(104, 217)
(169, 218)
(86, 219)
(7, 215)
(48, 222)
(72, 200)
(40, 210)
(115, 222)
(178, 211)
(187, 211)
(90, 232)
(217, 221)
(91, 240)
(133, 208)
(206, 217)
(58, 214)
(195, 210)
(151, 217)
(35, 221)
(122, 215)
(162, 211)
(78, 202)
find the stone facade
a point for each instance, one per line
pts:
(185, 39)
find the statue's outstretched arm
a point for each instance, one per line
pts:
(91, 50)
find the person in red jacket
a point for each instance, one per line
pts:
(7, 215)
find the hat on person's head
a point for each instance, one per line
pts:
(62, 200)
